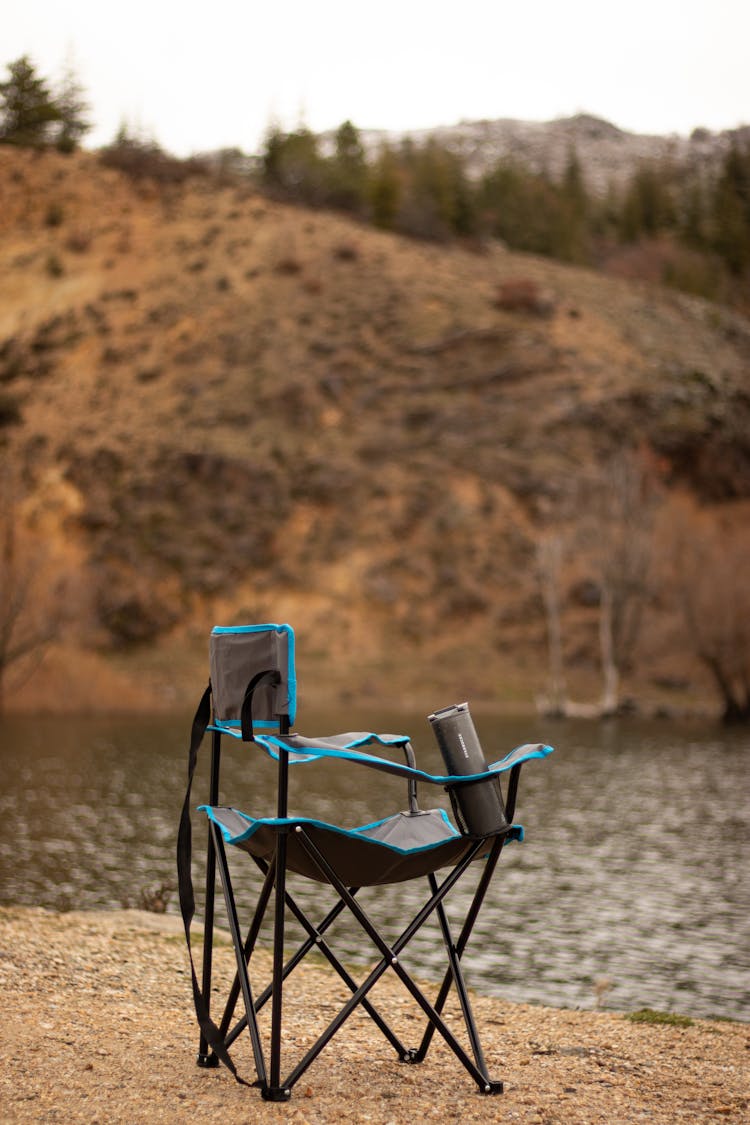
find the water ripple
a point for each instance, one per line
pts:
(631, 889)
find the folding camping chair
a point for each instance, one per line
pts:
(251, 697)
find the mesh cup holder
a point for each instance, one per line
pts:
(478, 804)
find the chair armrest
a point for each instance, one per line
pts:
(345, 747)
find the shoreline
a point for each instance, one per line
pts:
(702, 712)
(99, 1027)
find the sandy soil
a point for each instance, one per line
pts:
(98, 1027)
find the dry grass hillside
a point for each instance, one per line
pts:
(216, 408)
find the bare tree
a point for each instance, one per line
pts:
(710, 555)
(623, 509)
(606, 525)
(28, 619)
(549, 554)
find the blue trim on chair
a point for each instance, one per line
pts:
(308, 752)
(255, 823)
(311, 750)
(233, 727)
(265, 628)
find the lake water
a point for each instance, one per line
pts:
(631, 889)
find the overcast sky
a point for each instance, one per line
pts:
(203, 76)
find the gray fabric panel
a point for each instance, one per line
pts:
(234, 659)
(408, 831)
(230, 819)
(367, 741)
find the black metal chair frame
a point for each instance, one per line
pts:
(215, 1041)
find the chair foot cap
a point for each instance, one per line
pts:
(275, 1094)
(209, 1061)
(491, 1088)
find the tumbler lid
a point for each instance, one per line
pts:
(448, 712)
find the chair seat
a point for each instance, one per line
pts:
(400, 847)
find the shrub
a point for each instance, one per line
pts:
(54, 215)
(10, 411)
(54, 266)
(522, 294)
(649, 1015)
(145, 160)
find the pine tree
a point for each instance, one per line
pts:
(648, 208)
(572, 232)
(73, 109)
(439, 202)
(346, 172)
(385, 189)
(28, 109)
(292, 164)
(731, 210)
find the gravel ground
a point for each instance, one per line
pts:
(98, 1027)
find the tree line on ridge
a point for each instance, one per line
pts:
(691, 227)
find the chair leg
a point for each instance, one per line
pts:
(275, 1091)
(315, 940)
(458, 979)
(291, 964)
(269, 1079)
(466, 930)
(390, 958)
(252, 1023)
(249, 946)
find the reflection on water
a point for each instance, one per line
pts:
(633, 879)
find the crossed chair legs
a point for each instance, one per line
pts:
(274, 876)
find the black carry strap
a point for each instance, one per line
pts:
(209, 1030)
(271, 677)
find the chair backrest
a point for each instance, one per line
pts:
(237, 653)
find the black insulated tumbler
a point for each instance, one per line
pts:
(480, 802)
